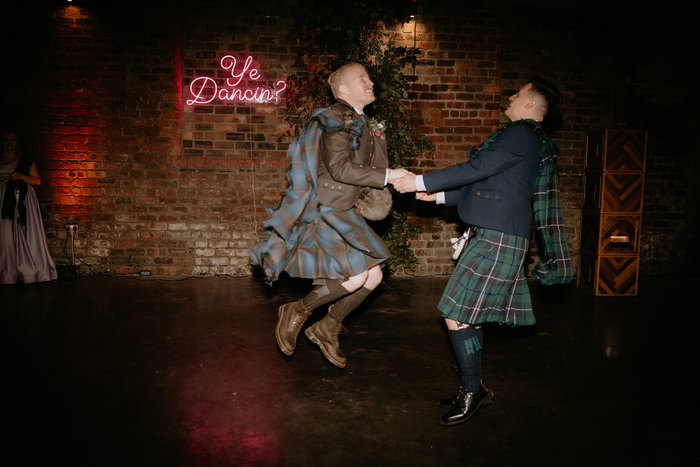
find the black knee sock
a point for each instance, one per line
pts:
(322, 294)
(467, 344)
(343, 307)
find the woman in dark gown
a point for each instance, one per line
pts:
(24, 255)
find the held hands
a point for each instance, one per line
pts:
(405, 184)
(397, 177)
(396, 173)
(423, 196)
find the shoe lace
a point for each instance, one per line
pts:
(336, 332)
(299, 319)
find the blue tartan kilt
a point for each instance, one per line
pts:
(337, 245)
(488, 284)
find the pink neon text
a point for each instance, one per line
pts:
(205, 90)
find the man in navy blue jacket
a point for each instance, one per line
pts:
(494, 192)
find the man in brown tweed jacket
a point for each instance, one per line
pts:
(340, 252)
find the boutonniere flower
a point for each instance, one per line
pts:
(377, 128)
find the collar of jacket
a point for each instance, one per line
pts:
(350, 106)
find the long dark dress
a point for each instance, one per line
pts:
(24, 254)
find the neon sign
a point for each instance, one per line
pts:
(205, 90)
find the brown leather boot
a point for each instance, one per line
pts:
(324, 333)
(291, 317)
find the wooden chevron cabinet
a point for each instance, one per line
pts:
(611, 219)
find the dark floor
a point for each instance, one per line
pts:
(125, 371)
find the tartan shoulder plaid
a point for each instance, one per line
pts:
(283, 230)
(555, 266)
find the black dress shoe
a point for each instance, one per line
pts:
(446, 402)
(466, 405)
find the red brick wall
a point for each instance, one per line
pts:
(469, 68)
(456, 102)
(156, 184)
(232, 162)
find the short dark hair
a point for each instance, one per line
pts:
(552, 96)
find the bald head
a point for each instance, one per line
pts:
(352, 84)
(339, 77)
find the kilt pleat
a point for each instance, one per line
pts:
(488, 284)
(334, 245)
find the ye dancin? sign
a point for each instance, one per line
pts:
(236, 89)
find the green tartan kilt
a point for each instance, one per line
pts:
(488, 284)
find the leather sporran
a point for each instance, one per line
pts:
(374, 204)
